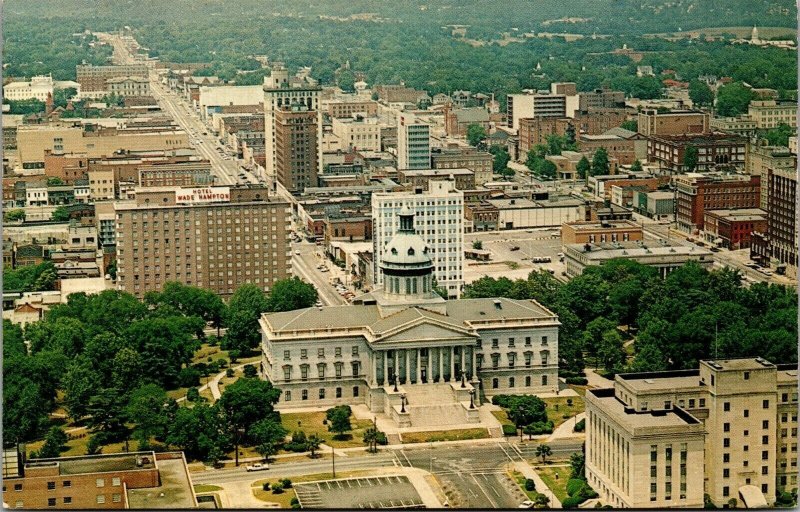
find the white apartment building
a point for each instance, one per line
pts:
(357, 132)
(38, 88)
(770, 113)
(665, 439)
(413, 143)
(278, 90)
(439, 220)
(533, 104)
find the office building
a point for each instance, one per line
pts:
(535, 104)
(93, 79)
(140, 480)
(760, 159)
(413, 143)
(664, 255)
(715, 151)
(769, 114)
(357, 133)
(128, 86)
(479, 162)
(665, 439)
(281, 91)
(778, 246)
(217, 238)
(675, 122)
(405, 341)
(733, 229)
(439, 217)
(464, 178)
(588, 232)
(600, 98)
(296, 147)
(697, 193)
(39, 88)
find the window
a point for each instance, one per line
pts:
(765, 404)
(702, 402)
(726, 473)
(304, 394)
(304, 372)
(764, 439)
(746, 375)
(544, 340)
(17, 487)
(691, 403)
(765, 424)
(726, 442)
(303, 353)
(67, 500)
(511, 382)
(338, 392)
(51, 502)
(287, 354)
(747, 413)
(765, 455)
(527, 341)
(746, 448)
(765, 488)
(67, 483)
(320, 352)
(495, 343)
(287, 396)
(101, 498)
(726, 457)
(101, 482)
(337, 351)
(321, 393)
(19, 504)
(726, 491)
(726, 427)
(527, 381)
(544, 380)
(495, 383)
(726, 406)
(51, 486)
(116, 498)
(355, 391)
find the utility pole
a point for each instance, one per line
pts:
(333, 460)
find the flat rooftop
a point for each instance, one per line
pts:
(749, 363)
(174, 492)
(98, 463)
(634, 250)
(660, 381)
(631, 419)
(594, 225)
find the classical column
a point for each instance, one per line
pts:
(463, 359)
(418, 367)
(383, 367)
(429, 366)
(452, 363)
(407, 369)
(474, 368)
(441, 363)
(374, 368)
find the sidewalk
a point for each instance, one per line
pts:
(596, 381)
(528, 472)
(213, 384)
(566, 429)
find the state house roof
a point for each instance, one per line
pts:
(459, 314)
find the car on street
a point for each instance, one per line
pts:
(515, 248)
(526, 504)
(257, 467)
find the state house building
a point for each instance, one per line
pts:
(406, 340)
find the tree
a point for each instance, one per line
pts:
(779, 136)
(54, 443)
(636, 166)
(690, 158)
(290, 294)
(340, 422)
(600, 164)
(106, 413)
(244, 309)
(649, 358)
(14, 215)
(577, 462)
(373, 436)
(700, 93)
(543, 451)
(248, 401)
(475, 134)
(250, 371)
(733, 99)
(312, 445)
(60, 214)
(631, 125)
(267, 434)
(583, 168)
(593, 335)
(54, 181)
(79, 384)
(24, 410)
(200, 431)
(525, 410)
(477, 245)
(501, 158)
(150, 409)
(541, 501)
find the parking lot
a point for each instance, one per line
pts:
(513, 252)
(360, 493)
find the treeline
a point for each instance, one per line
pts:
(691, 315)
(99, 350)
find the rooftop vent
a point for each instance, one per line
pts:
(498, 304)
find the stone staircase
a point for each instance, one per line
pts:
(433, 405)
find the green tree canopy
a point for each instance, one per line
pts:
(248, 401)
(290, 294)
(733, 99)
(600, 163)
(476, 134)
(700, 93)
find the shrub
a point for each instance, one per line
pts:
(294, 502)
(94, 446)
(572, 502)
(297, 443)
(330, 412)
(530, 485)
(265, 486)
(569, 402)
(286, 483)
(277, 488)
(509, 430)
(188, 377)
(580, 426)
(229, 372)
(250, 371)
(577, 381)
(574, 486)
(501, 400)
(382, 440)
(192, 395)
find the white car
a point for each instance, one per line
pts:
(526, 504)
(297, 253)
(257, 467)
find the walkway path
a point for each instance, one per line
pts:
(596, 380)
(528, 472)
(566, 429)
(213, 384)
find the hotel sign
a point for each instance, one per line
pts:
(203, 195)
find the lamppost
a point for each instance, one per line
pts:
(463, 377)
(395, 382)
(239, 432)
(519, 411)
(472, 398)
(402, 402)
(333, 461)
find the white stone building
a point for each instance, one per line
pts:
(404, 346)
(413, 142)
(357, 132)
(439, 221)
(38, 88)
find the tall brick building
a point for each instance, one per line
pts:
(697, 193)
(779, 243)
(296, 148)
(715, 151)
(93, 79)
(217, 238)
(677, 122)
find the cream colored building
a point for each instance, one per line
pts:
(128, 86)
(760, 159)
(769, 113)
(32, 141)
(747, 415)
(358, 132)
(37, 89)
(101, 185)
(403, 339)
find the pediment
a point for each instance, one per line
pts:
(425, 330)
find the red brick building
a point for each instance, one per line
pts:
(68, 167)
(733, 229)
(535, 130)
(714, 151)
(697, 193)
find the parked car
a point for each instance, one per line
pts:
(257, 467)
(515, 248)
(526, 504)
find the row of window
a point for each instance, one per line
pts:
(287, 370)
(511, 342)
(287, 395)
(337, 352)
(512, 382)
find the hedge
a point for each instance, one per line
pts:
(509, 430)
(580, 426)
(574, 485)
(572, 502)
(577, 381)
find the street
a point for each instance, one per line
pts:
(304, 266)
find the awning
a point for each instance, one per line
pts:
(752, 497)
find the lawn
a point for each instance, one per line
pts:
(556, 478)
(520, 479)
(557, 408)
(311, 423)
(444, 435)
(320, 477)
(502, 417)
(78, 446)
(206, 488)
(283, 499)
(206, 351)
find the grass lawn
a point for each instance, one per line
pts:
(520, 479)
(502, 417)
(557, 485)
(581, 390)
(311, 423)
(444, 435)
(283, 499)
(206, 351)
(177, 393)
(319, 476)
(557, 416)
(206, 488)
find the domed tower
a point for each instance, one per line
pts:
(407, 270)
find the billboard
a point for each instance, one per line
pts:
(203, 195)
